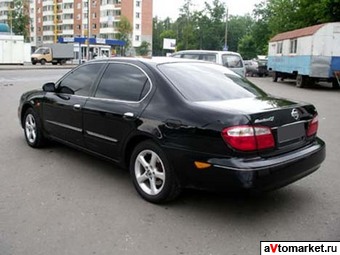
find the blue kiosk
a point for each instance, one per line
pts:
(98, 47)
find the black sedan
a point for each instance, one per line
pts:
(176, 123)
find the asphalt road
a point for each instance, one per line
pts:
(57, 200)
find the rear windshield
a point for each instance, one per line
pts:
(208, 82)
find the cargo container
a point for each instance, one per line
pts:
(309, 55)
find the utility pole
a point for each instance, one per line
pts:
(88, 28)
(226, 31)
(55, 20)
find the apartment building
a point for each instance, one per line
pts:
(51, 19)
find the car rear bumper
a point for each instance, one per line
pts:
(256, 174)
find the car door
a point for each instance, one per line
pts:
(113, 113)
(62, 109)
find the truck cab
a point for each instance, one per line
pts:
(41, 55)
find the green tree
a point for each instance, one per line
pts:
(185, 27)
(124, 32)
(161, 29)
(247, 47)
(238, 27)
(18, 18)
(143, 49)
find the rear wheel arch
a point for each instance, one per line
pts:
(152, 174)
(131, 145)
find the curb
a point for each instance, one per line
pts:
(31, 67)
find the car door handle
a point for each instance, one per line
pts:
(128, 115)
(77, 107)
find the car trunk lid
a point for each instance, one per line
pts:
(289, 121)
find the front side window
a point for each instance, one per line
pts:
(79, 81)
(123, 82)
(232, 61)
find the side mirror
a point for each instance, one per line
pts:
(49, 87)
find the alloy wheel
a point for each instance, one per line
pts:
(30, 128)
(150, 172)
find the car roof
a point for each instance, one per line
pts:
(207, 51)
(154, 61)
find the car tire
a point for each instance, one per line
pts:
(301, 81)
(153, 177)
(43, 62)
(33, 129)
(335, 84)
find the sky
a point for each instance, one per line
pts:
(170, 8)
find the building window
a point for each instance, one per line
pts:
(293, 46)
(279, 48)
(137, 15)
(94, 15)
(137, 3)
(94, 26)
(137, 26)
(137, 38)
(78, 5)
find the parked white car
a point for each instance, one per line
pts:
(230, 59)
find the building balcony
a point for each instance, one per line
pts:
(68, 21)
(68, 11)
(48, 13)
(108, 30)
(48, 33)
(109, 7)
(48, 23)
(68, 32)
(48, 2)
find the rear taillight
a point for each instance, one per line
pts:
(249, 138)
(313, 126)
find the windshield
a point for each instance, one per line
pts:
(41, 51)
(208, 82)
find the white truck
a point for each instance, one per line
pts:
(309, 55)
(56, 53)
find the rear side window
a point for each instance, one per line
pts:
(191, 56)
(208, 82)
(232, 61)
(124, 82)
(209, 57)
